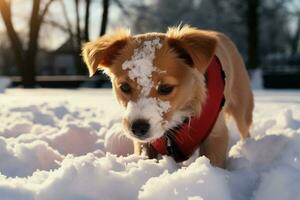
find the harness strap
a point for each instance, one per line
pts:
(188, 137)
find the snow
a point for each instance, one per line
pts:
(151, 109)
(198, 178)
(140, 67)
(69, 144)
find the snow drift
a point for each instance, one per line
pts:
(70, 145)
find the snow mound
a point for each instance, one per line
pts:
(72, 149)
(194, 181)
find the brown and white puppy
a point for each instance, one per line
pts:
(159, 80)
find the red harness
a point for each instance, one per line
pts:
(189, 136)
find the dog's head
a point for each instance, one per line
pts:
(158, 78)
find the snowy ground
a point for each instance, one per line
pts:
(62, 144)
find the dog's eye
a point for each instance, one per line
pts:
(125, 87)
(165, 89)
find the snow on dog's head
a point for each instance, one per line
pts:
(158, 78)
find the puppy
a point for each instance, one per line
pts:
(160, 80)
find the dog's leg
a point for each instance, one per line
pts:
(150, 152)
(239, 98)
(137, 148)
(145, 149)
(215, 146)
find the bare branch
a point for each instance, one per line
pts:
(122, 7)
(56, 25)
(68, 21)
(46, 8)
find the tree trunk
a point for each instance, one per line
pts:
(253, 40)
(78, 31)
(105, 6)
(25, 60)
(15, 41)
(86, 20)
(78, 61)
(30, 54)
(25, 56)
(28, 74)
(295, 39)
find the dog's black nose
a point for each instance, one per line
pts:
(140, 127)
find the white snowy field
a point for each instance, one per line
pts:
(67, 145)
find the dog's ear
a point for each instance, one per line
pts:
(102, 52)
(195, 47)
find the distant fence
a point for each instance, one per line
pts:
(281, 72)
(63, 81)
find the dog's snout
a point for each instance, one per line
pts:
(140, 127)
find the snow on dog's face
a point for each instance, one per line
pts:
(158, 78)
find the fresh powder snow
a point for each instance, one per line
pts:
(69, 144)
(149, 108)
(140, 67)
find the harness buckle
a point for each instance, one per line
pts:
(173, 150)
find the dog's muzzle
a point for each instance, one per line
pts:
(140, 128)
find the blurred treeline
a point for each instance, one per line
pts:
(44, 37)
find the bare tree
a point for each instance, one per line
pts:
(87, 20)
(78, 29)
(105, 6)
(25, 55)
(295, 39)
(253, 41)
(294, 12)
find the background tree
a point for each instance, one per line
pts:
(87, 20)
(294, 13)
(296, 37)
(79, 28)
(277, 27)
(25, 55)
(259, 28)
(105, 6)
(253, 38)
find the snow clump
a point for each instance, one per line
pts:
(141, 65)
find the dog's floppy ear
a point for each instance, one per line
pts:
(195, 47)
(103, 51)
